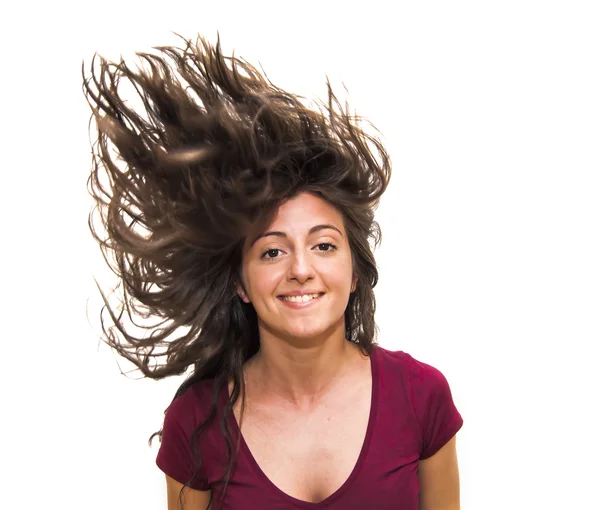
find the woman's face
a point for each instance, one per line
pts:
(298, 273)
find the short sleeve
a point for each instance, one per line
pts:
(438, 417)
(175, 457)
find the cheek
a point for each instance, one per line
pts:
(340, 274)
(263, 280)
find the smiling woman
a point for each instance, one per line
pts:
(243, 219)
(299, 275)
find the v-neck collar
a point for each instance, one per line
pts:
(245, 450)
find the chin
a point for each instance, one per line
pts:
(310, 332)
(303, 331)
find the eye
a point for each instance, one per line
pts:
(271, 253)
(326, 247)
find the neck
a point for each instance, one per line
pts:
(301, 376)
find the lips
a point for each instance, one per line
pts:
(300, 303)
(300, 293)
(303, 295)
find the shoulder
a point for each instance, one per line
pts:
(429, 394)
(416, 371)
(176, 456)
(192, 406)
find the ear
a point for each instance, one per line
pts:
(242, 293)
(354, 282)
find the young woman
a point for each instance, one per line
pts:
(242, 218)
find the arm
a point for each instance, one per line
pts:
(439, 480)
(191, 498)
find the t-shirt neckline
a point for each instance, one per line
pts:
(245, 450)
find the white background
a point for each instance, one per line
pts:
(489, 267)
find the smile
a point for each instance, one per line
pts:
(300, 301)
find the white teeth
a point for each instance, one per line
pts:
(300, 299)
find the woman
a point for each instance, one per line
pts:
(242, 218)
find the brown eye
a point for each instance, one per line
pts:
(270, 254)
(326, 247)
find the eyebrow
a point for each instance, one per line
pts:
(314, 229)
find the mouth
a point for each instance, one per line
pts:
(300, 301)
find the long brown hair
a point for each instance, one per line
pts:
(179, 183)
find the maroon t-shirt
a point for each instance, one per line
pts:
(412, 416)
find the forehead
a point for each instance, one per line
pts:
(303, 212)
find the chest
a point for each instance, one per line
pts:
(308, 455)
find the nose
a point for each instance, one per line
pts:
(301, 268)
